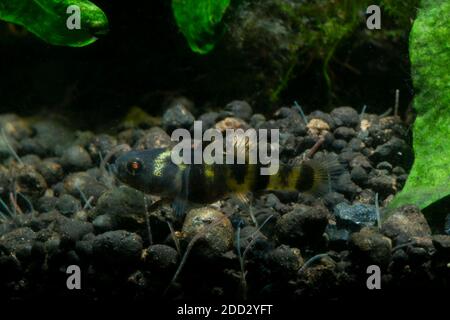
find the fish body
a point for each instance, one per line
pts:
(154, 172)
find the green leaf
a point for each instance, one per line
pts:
(429, 180)
(47, 19)
(198, 21)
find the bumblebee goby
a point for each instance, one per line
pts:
(154, 172)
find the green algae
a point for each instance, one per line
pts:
(429, 180)
(47, 19)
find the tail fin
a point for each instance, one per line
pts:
(318, 176)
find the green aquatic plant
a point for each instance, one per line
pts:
(48, 19)
(429, 180)
(198, 20)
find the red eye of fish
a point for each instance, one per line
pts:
(134, 166)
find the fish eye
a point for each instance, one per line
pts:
(134, 166)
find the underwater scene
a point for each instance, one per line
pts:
(253, 152)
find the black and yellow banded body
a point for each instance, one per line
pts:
(153, 172)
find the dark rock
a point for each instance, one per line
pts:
(337, 238)
(356, 145)
(68, 205)
(31, 146)
(30, 182)
(161, 258)
(208, 120)
(217, 229)
(398, 171)
(153, 138)
(345, 116)
(18, 242)
(333, 198)
(383, 184)
(396, 150)
(76, 158)
(359, 175)
(46, 203)
(355, 217)
(360, 161)
(405, 224)
(370, 247)
(51, 170)
(82, 185)
(125, 206)
(31, 160)
(344, 133)
(384, 166)
(284, 261)
(346, 186)
(339, 144)
(71, 230)
(54, 137)
(301, 226)
(177, 116)
(103, 223)
(257, 120)
(238, 109)
(121, 248)
(99, 146)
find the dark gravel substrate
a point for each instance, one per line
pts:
(64, 210)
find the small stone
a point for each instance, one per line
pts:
(153, 138)
(53, 136)
(238, 109)
(356, 144)
(383, 184)
(71, 230)
(345, 116)
(346, 186)
(177, 116)
(384, 166)
(284, 260)
(370, 247)
(301, 226)
(46, 203)
(125, 206)
(324, 117)
(103, 223)
(405, 224)
(231, 123)
(339, 144)
(76, 158)
(30, 182)
(15, 126)
(257, 120)
(344, 133)
(360, 161)
(317, 127)
(217, 239)
(355, 217)
(121, 248)
(99, 146)
(337, 238)
(68, 205)
(51, 170)
(31, 146)
(396, 150)
(359, 175)
(208, 120)
(333, 198)
(161, 258)
(18, 242)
